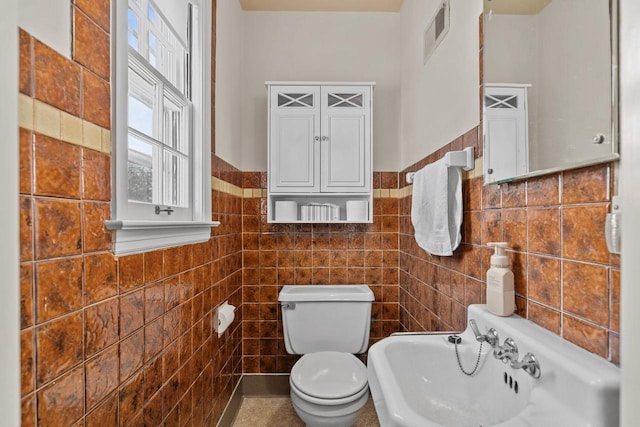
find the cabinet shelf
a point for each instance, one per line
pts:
(321, 222)
(320, 195)
(339, 200)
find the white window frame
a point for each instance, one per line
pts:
(133, 232)
(161, 89)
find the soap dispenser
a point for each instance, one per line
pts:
(501, 297)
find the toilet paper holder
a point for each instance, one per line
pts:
(223, 317)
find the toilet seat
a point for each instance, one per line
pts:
(329, 375)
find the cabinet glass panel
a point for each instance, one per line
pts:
(345, 100)
(501, 101)
(298, 100)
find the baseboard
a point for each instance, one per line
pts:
(232, 408)
(265, 385)
(253, 385)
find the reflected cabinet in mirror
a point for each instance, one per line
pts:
(550, 86)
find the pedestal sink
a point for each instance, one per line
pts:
(415, 380)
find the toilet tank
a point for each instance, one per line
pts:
(326, 318)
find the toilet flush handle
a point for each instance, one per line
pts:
(288, 305)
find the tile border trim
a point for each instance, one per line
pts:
(36, 116)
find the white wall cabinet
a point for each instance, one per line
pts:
(506, 132)
(320, 148)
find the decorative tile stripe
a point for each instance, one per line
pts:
(256, 193)
(406, 191)
(477, 170)
(224, 187)
(378, 193)
(39, 117)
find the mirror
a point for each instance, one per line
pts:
(550, 86)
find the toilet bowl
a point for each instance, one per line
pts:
(329, 388)
(327, 325)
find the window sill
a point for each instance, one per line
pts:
(138, 236)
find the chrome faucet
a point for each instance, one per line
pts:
(507, 352)
(529, 364)
(491, 337)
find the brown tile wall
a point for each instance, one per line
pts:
(106, 340)
(566, 280)
(275, 255)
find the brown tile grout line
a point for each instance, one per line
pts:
(85, 358)
(561, 312)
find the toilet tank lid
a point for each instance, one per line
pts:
(302, 293)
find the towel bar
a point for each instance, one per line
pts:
(460, 159)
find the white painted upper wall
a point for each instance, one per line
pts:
(440, 99)
(321, 46)
(9, 218)
(228, 87)
(49, 21)
(629, 177)
(323, 5)
(417, 108)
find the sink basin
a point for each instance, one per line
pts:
(415, 380)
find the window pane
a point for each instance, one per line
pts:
(176, 180)
(132, 35)
(141, 94)
(140, 115)
(153, 48)
(151, 13)
(140, 170)
(152, 41)
(174, 126)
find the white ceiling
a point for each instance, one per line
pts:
(515, 7)
(323, 5)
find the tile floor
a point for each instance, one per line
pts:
(278, 412)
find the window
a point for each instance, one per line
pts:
(161, 112)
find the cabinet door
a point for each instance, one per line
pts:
(294, 148)
(346, 139)
(506, 133)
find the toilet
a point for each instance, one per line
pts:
(327, 325)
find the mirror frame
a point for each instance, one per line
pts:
(615, 149)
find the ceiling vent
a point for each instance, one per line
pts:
(436, 30)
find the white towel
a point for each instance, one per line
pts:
(436, 208)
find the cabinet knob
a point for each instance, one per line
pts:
(324, 138)
(317, 138)
(598, 139)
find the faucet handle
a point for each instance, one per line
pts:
(474, 327)
(491, 337)
(510, 346)
(507, 352)
(531, 365)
